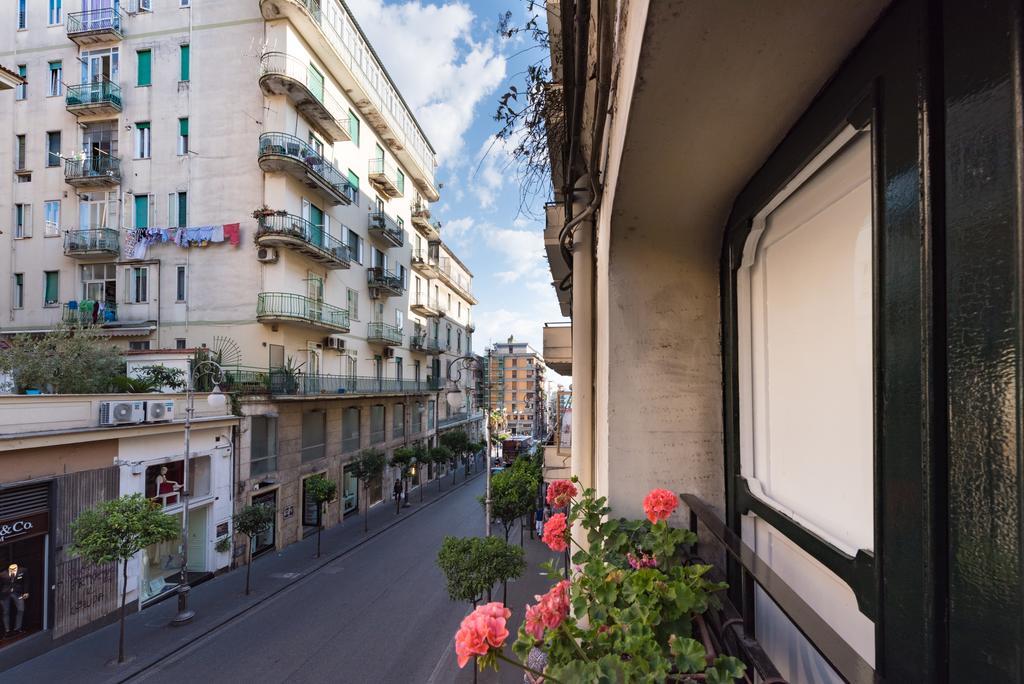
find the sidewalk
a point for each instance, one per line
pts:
(149, 637)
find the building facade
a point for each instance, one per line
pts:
(795, 300)
(241, 176)
(515, 385)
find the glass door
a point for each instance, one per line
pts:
(316, 225)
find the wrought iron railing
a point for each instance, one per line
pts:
(287, 305)
(310, 233)
(92, 240)
(424, 299)
(95, 93)
(380, 277)
(279, 381)
(287, 145)
(93, 166)
(380, 221)
(423, 256)
(105, 19)
(383, 332)
(379, 167)
(424, 343)
(296, 69)
(456, 279)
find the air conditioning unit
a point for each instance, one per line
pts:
(160, 411)
(389, 353)
(336, 343)
(266, 255)
(122, 412)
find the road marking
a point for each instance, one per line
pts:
(445, 657)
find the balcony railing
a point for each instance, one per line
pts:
(385, 281)
(448, 272)
(305, 237)
(89, 312)
(286, 306)
(305, 87)
(387, 228)
(99, 97)
(92, 171)
(425, 263)
(96, 242)
(424, 305)
(280, 382)
(383, 333)
(94, 26)
(286, 153)
(387, 177)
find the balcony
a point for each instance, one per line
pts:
(94, 26)
(386, 283)
(282, 74)
(308, 239)
(285, 307)
(284, 153)
(425, 263)
(386, 228)
(386, 177)
(278, 382)
(424, 305)
(558, 347)
(95, 243)
(459, 282)
(94, 171)
(88, 313)
(383, 333)
(102, 98)
(421, 219)
(554, 218)
(425, 344)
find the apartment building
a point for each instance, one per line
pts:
(242, 176)
(515, 385)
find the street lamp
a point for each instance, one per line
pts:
(466, 362)
(217, 400)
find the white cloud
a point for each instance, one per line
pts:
(442, 71)
(487, 177)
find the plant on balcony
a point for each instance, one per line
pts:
(67, 360)
(632, 612)
(321, 490)
(267, 212)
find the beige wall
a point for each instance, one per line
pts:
(51, 461)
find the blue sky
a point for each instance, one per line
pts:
(451, 65)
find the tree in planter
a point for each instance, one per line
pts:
(439, 455)
(67, 360)
(252, 521)
(368, 465)
(473, 565)
(114, 531)
(321, 490)
(404, 458)
(513, 495)
(458, 442)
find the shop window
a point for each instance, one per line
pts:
(310, 508)
(350, 491)
(350, 429)
(266, 540)
(262, 445)
(314, 432)
(164, 481)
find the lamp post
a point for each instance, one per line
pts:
(216, 399)
(466, 362)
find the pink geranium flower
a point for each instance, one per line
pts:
(549, 611)
(659, 504)
(555, 530)
(560, 493)
(480, 631)
(642, 561)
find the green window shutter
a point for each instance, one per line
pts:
(182, 209)
(142, 211)
(184, 63)
(50, 294)
(315, 81)
(183, 126)
(353, 127)
(353, 180)
(142, 124)
(145, 67)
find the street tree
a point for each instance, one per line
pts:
(404, 458)
(473, 565)
(114, 531)
(321, 490)
(513, 495)
(440, 455)
(366, 466)
(458, 442)
(421, 460)
(252, 521)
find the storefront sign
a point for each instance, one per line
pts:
(28, 526)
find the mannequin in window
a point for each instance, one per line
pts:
(166, 488)
(13, 595)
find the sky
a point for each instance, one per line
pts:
(451, 66)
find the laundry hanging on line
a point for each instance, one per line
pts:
(137, 241)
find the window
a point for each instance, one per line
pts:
(144, 63)
(399, 319)
(353, 304)
(53, 148)
(142, 209)
(179, 343)
(401, 183)
(139, 345)
(145, 5)
(355, 246)
(417, 418)
(377, 415)
(184, 63)
(182, 136)
(181, 292)
(138, 284)
(183, 3)
(262, 444)
(18, 291)
(430, 414)
(398, 421)
(353, 180)
(398, 368)
(314, 431)
(403, 275)
(350, 418)
(56, 85)
(51, 214)
(22, 18)
(99, 282)
(19, 153)
(353, 128)
(458, 341)
(56, 13)
(22, 221)
(142, 140)
(177, 209)
(21, 90)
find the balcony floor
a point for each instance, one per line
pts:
(307, 103)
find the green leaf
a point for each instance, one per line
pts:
(725, 670)
(689, 653)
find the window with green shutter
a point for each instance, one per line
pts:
(182, 209)
(353, 127)
(142, 211)
(145, 58)
(353, 180)
(184, 63)
(50, 288)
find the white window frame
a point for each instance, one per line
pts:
(51, 218)
(181, 283)
(55, 302)
(56, 12)
(144, 141)
(23, 229)
(136, 276)
(18, 290)
(55, 86)
(352, 298)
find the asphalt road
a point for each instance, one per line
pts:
(378, 614)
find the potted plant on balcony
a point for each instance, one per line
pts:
(288, 375)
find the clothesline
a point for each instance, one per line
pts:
(136, 241)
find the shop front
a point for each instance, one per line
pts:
(350, 492)
(23, 561)
(266, 540)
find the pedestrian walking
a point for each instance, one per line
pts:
(397, 489)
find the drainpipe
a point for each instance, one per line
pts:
(583, 465)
